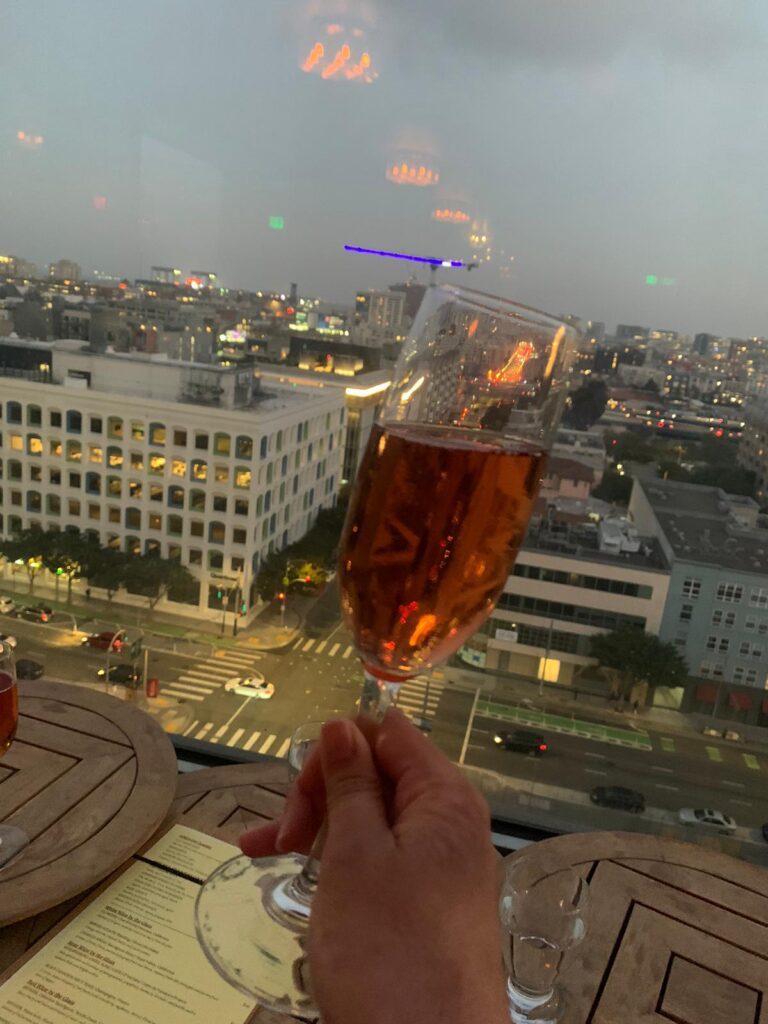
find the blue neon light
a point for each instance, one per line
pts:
(404, 256)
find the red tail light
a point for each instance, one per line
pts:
(542, 746)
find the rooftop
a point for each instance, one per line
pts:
(700, 526)
(594, 541)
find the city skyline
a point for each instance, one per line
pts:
(602, 151)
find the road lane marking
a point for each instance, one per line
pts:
(284, 747)
(252, 739)
(662, 785)
(298, 643)
(333, 650)
(713, 753)
(192, 684)
(589, 753)
(308, 646)
(668, 744)
(183, 693)
(661, 768)
(347, 653)
(267, 743)
(192, 727)
(594, 771)
(736, 785)
(235, 737)
(751, 762)
(321, 647)
(744, 803)
(206, 728)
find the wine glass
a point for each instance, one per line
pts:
(439, 509)
(12, 839)
(543, 914)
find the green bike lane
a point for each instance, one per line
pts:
(530, 718)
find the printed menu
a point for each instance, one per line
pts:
(131, 955)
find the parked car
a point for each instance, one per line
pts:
(619, 797)
(6, 638)
(7, 605)
(103, 641)
(122, 673)
(251, 686)
(26, 668)
(523, 741)
(714, 821)
(36, 613)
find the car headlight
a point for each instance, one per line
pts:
(497, 739)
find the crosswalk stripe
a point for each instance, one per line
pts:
(206, 728)
(308, 646)
(220, 732)
(235, 659)
(191, 728)
(284, 748)
(232, 741)
(751, 762)
(321, 647)
(267, 743)
(347, 653)
(333, 650)
(196, 684)
(668, 744)
(183, 693)
(298, 643)
(251, 739)
(713, 753)
(215, 674)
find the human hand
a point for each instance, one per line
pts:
(404, 925)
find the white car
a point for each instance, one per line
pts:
(10, 640)
(251, 686)
(715, 821)
(7, 604)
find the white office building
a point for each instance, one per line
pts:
(208, 465)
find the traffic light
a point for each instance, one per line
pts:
(243, 607)
(59, 571)
(219, 594)
(281, 596)
(307, 579)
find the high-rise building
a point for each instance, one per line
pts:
(631, 332)
(379, 316)
(702, 343)
(64, 270)
(753, 449)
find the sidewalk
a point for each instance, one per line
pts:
(265, 632)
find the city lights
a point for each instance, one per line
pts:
(405, 173)
(451, 216)
(339, 54)
(29, 140)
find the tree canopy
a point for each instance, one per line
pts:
(586, 405)
(637, 656)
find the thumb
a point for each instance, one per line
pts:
(353, 790)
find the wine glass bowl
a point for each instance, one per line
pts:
(446, 487)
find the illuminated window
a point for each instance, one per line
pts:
(216, 533)
(54, 448)
(74, 451)
(199, 469)
(222, 444)
(135, 488)
(114, 486)
(221, 474)
(96, 454)
(132, 546)
(242, 477)
(176, 497)
(137, 460)
(155, 521)
(115, 427)
(137, 430)
(244, 447)
(178, 467)
(17, 442)
(114, 457)
(157, 433)
(34, 444)
(155, 492)
(156, 464)
(94, 510)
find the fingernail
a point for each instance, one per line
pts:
(338, 740)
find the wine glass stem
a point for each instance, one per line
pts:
(376, 697)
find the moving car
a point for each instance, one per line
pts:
(251, 686)
(619, 797)
(522, 740)
(26, 668)
(714, 821)
(7, 604)
(103, 640)
(6, 638)
(122, 673)
(36, 613)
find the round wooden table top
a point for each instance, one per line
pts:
(675, 932)
(89, 778)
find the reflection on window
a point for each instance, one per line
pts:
(137, 430)
(137, 460)
(115, 427)
(74, 451)
(132, 546)
(155, 492)
(197, 528)
(244, 447)
(73, 507)
(221, 444)
(114, 486)
(195, 556)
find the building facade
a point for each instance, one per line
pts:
(206, 465)
(753, 450)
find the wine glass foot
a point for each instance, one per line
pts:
(530, 1009)
(254, 931)
(12, 842)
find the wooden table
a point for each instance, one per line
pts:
(89, 778)
(676, 933)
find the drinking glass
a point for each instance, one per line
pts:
(439, 508)
(543, 914)
(12, 839)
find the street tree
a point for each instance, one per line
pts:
(107, 570)
(152, 576)
(586, 405)
(28, 546)
(631, 657)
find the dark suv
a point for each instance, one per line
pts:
(618, 797)
(522, 740)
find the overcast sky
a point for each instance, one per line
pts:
(602, 140)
